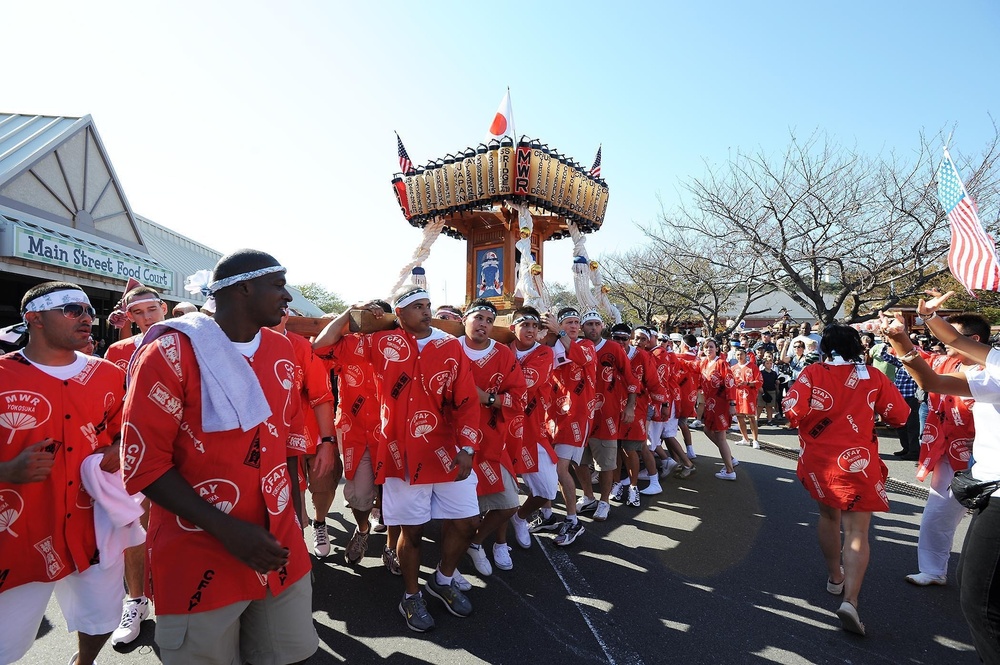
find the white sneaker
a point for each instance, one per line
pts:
(696, 424)
(603, 509)
(633, 497)
(462, 583)
(743, 442)
(480, 560)
(133, 614)
(755, 444)
(736, 462)
(321, 541)
(586, 504)
(618, 491)
(669, 466)
(501, 556)
(726, 475)
(643, 474)
(521, 533)
(926, 579)
(652, 488)
(691, 454)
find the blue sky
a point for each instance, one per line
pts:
(270, 124)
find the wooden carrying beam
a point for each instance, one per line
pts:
(361, 320)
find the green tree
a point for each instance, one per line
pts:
(319, 295)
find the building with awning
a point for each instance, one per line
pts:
(65, 216)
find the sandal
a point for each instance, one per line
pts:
(849, 620)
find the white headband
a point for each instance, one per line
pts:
(590, 315)
(411, 297)
(55, 300)
(142, 297)
(242, 277)
(479, 308)
(525, 317)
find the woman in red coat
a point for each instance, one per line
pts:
(717, 386)
(833, 405)
(747, 381)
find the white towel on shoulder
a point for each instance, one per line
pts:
(231, 395)
(116, 514)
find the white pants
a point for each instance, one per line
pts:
(938, 523)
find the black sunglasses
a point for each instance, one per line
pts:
(75, 310)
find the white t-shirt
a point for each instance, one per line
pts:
(985, 388)
(62, 372)
(521, 355)
(436, 333)
(476, 354)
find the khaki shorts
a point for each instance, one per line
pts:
(569, 452)
(504, 499)
(359, 491)
(604, 452)
(632, 446)
(275, 630)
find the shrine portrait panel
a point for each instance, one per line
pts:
(489, 272)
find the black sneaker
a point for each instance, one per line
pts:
(543, 525)
(414, 610)
(568, 533)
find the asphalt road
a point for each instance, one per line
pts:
(707, 572)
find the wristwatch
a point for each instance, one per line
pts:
(491, 400)
(468, 449)
(327, 439)
(562, 333)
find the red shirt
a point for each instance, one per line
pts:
(747, 382)
(573, 393)
(615, 382)
(428, 404)
(537, 369)
(358, 424)
(834, 410)
(242, 473)
(47, 528)
(716, 383)
(501, 425)
(121, 351)
(312, 379)
(950, 428)
(644, 368)
(688, 378)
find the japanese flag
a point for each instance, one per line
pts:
(503, 122)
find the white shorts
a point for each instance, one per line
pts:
(569, 452)
(404, 504)
(91, 602)
(545, 481)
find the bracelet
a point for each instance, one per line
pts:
(909, 355)
(929, 316)
(326, 439)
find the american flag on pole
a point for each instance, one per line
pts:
(595, 170)
(972, 258)
(405, 165)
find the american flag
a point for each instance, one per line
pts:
(595, 170)
(405, 165)
(972, 258)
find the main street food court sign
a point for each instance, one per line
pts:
(47, 248)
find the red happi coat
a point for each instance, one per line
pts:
(357, 422)
(834, 409)
(716, 382)
(312, 380)
(502, 425)
(244, 474)
(428, 404)
(651, 392)
(537, 370)
(573, 393)
(667, 372)
(121, 351)
(47, 527)
(950, 430)
(747, 383)
(687, 376)
(615, 382)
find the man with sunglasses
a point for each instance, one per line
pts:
(57, 407)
